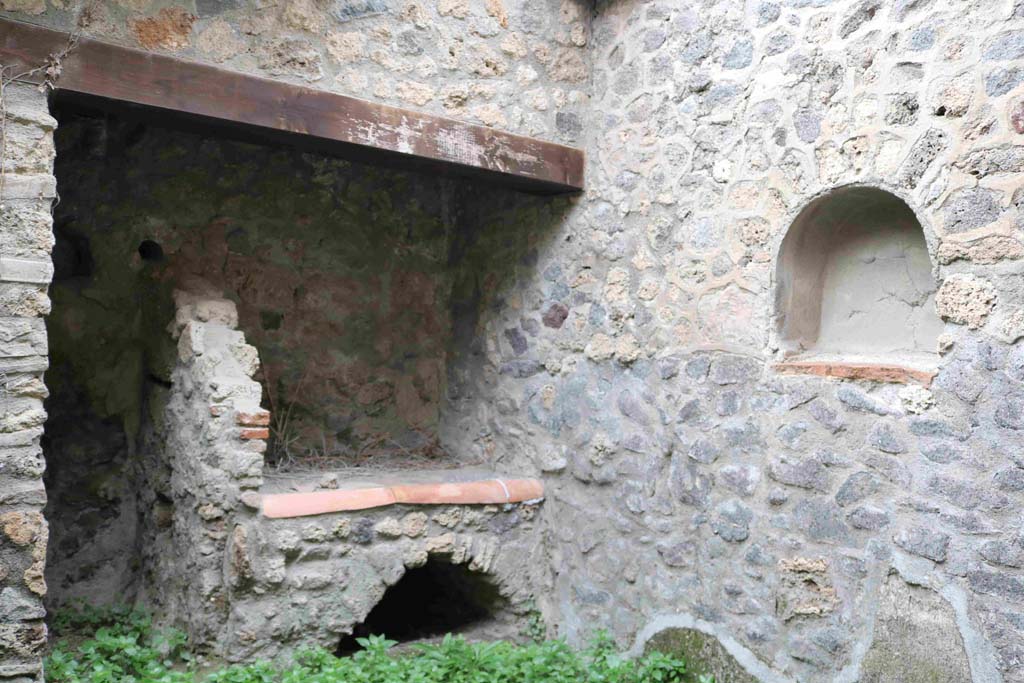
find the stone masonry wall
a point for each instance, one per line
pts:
(212, 436)
(519, 65)
(628, 352)
(352, 282)
(246, 587)
(27, 188)
(110, 364)
(339, 271)
(311, 581)
(691, 485)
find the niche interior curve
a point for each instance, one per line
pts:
(855, 283)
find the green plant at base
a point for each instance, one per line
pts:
(123, 649)
(534, 629)
(127, 649)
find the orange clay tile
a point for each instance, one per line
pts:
(488, 492)
(252, 433)
(893, 374)
(472, 492)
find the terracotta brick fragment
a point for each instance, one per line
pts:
(891, 374)
(257, 418)
(251, 433)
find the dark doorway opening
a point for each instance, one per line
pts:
(431, 600)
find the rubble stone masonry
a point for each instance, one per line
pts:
(623, 345)
(26, 191)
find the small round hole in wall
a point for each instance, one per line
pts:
(151, 251)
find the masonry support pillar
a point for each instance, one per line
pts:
(27, 190)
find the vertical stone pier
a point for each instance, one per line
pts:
(26, 238)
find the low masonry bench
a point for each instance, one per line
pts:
(395, 489)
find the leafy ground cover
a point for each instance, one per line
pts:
(122, 646)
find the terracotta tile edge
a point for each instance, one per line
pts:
(872, 372)
(486, 492)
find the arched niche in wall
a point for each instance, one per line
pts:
(854, 285)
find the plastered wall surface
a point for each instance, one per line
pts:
(627, 353)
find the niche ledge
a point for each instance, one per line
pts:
(867, 370)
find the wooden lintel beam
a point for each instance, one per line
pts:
(336, 123)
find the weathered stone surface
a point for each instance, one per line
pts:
(858, 15)
(733, 370)
(972, 208)
(21, 640)
(1017, 116)
(808, 473)
(967, 495)
(941, 453)
(688, 483)
(22, 528)
(1010, 413)
(827, 416)
(883, 437)
(857, 487)
(705, 656)
(805, 588)
(925, 150)
(1004, 46)
(858, 400)
(924, 542)
(678, 553)
(998, 584)
(820, 519)
(555, 315)
(1003, 553)
(742, 479)
(1002, 80)
(965, 299)
(902, 109)
(293, 57)
(915, 638)
(732, 521)
(15, 605)
(993, 160)
(987, 250)
(703, 451)
(868, 517)
(1010, 479)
